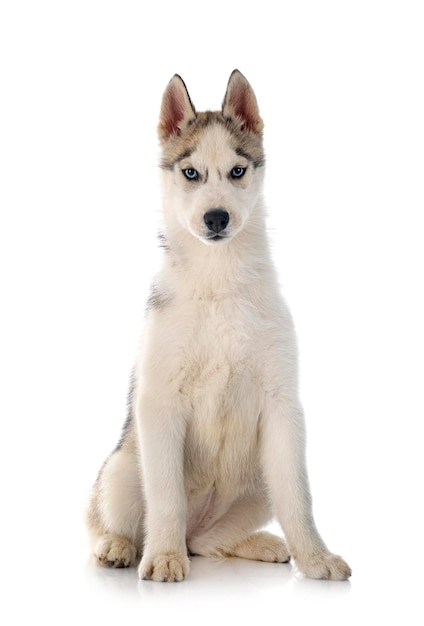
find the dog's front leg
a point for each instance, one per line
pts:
(162, 432)
(283, 460)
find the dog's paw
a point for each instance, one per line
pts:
(262, 546)
(115, 551)
(325, 566)
(164, 567)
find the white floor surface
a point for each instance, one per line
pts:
(58, 583)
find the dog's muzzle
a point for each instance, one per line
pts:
(216, 221)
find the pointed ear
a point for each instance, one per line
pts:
(176, 110)
(240, 104)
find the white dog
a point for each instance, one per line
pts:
(214, 444)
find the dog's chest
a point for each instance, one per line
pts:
(219, 379)
(217, 357)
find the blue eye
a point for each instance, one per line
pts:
(191, 173)
(238, 172)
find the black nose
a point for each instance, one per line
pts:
(216, 220)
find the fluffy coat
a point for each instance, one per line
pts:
(214, 444)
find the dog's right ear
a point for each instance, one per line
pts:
(177, 109)
(240, 104)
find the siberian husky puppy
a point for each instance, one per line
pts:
(213, 447)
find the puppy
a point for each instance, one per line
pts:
(213, 447)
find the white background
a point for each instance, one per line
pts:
(340, 87)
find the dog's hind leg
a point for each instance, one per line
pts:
(234, 534)
(115, 513)
(262, 546)
(115, 551)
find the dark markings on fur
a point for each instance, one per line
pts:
(255, 162)
(157, 299)
(184, 155)
(259, 162)
(130, 412)
(177, 147)
(163, 242)
(206, 176)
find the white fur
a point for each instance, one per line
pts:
(217, 448)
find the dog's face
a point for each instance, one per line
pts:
(212, 161)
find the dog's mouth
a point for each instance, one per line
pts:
(215, 239)
(212, 239)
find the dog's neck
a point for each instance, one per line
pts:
(220, 269)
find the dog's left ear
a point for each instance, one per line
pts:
(177, 109)
(240, 104)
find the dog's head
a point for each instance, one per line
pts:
(212, 161)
